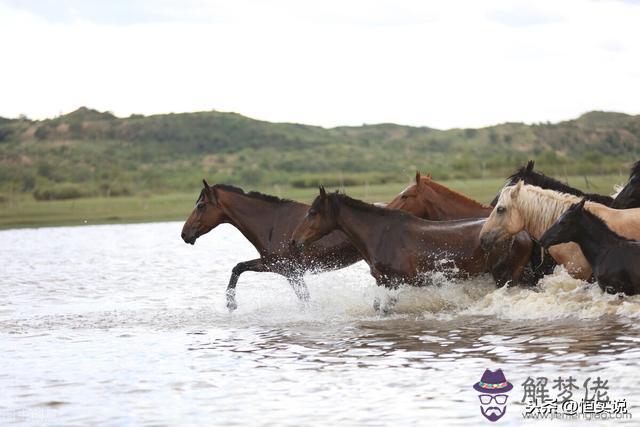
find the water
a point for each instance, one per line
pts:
(125, 324)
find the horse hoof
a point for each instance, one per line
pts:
(304, 297)
(376, 304)
(232, 305)
(231, 299)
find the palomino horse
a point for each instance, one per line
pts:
(614, 259)
(397, 246)
(531, 177)
(267, 222)
(530, 208)
(629, 195)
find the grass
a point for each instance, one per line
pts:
(24, 211)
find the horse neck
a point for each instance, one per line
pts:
(252, 217)
(540, 215)
(361, 228)
(452, 205)
(593, 237)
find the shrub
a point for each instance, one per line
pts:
(60, 192)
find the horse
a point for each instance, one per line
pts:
(430, 200)
(268, 223)
(629, 195)
(531, 177)
(614, 258)
(400, 247)
(527, 207)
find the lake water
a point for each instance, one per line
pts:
(127, 325)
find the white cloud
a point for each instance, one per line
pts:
(440, 64)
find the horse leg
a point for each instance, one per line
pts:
(509, 259)
(299, 287)
(257, 265)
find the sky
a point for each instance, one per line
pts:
(442, 64)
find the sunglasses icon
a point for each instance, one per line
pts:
(500, 399)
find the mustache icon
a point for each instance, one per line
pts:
(492, 410)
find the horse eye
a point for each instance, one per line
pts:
(312, 213)
(404, 197)
(501, 209)
(200, 206)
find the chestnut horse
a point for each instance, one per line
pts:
(399, 247)
(429, 200)
(526, 207)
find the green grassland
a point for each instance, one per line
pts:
(93, 166)
(24, 211)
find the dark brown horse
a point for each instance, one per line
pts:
(268, 223)
(401, 248)
(430, 200)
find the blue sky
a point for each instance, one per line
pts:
(456, 63)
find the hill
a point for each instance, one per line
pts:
(88, 152)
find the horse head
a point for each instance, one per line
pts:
(319, 221)
(206, 215)
(505, 220)
(417, 199)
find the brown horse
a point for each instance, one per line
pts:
(429, 200)
(268, 223)
(400, 247)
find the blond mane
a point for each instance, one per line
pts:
(539, 207)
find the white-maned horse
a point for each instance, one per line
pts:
(526, 207)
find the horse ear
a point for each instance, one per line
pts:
(211, 194)
(323, 193)
(581, 204)
(516, 189)
(418, 178)
(530, 165)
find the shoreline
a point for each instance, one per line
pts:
(25, 212)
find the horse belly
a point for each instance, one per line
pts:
(454, 263)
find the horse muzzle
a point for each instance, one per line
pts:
(188, 239)
(296, 245)
(488, 240)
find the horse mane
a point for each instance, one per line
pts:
(635, 170)
(253, 194)
(367, 207)
(541, 207)
(596, 219)
(453, 194)
(538, 179)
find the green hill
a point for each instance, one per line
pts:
(88, 152)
